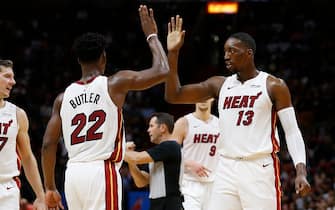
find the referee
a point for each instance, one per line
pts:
(164, 164)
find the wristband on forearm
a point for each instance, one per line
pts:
(150, 36)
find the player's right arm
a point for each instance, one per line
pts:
(187, 94)
(124, 81)
(49, 149)
(180, 130)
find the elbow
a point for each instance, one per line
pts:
(172, 99)
(162, 68)
(141, 184)
(169, 99)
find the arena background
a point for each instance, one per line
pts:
(295, 41)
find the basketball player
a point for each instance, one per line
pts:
(89, 115)
(249, 103)
(15, 147)
(198, 132)
(164, 164)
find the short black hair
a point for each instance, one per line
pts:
(6, 63)
(164, 118)
(246, 39)
(89, 46)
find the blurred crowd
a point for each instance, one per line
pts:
(294, 42)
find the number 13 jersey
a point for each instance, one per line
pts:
(247, 117)
(92, 124)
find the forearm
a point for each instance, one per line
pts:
(33, 176)
(294, 140)
(172, 84)
(134, 157)
(141, 178)
(48, 165)
(188, 163)
(159, 59)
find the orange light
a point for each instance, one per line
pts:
(222, 7)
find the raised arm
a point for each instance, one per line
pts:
(187, 94)
(281, 98)
(49, 149)
(127, 80)
(28, 160)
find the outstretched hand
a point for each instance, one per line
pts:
(148, 22)
(175, 38)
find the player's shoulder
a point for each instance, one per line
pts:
(216, 80)
(21, 116)
(214, 117)
(182, 120)
(274, 81)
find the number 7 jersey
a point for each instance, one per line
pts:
(247, 117)
(92, 124)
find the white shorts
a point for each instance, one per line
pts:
(9, 195)
(247, 184)
(196, 194)
(93, 186)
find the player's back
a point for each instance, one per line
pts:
(201, 144)
(92, 124)
(10, 162)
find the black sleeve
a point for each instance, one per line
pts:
(168, 150)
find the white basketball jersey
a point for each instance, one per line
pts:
(92, 124)
(10, 164)
(247, 117)
(201, 144)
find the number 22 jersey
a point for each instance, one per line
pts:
(92, 124)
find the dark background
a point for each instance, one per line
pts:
(295, 41)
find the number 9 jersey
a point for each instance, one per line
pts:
(92, 124)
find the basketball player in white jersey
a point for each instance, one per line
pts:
(249, 103)
(15, 147)
(89, 116)
(198, 132)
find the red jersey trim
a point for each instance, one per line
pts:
(111, 194)
(87, 82)
(116, 156)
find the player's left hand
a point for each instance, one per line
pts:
(302, 186)
(198, 169)
(176, 34)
